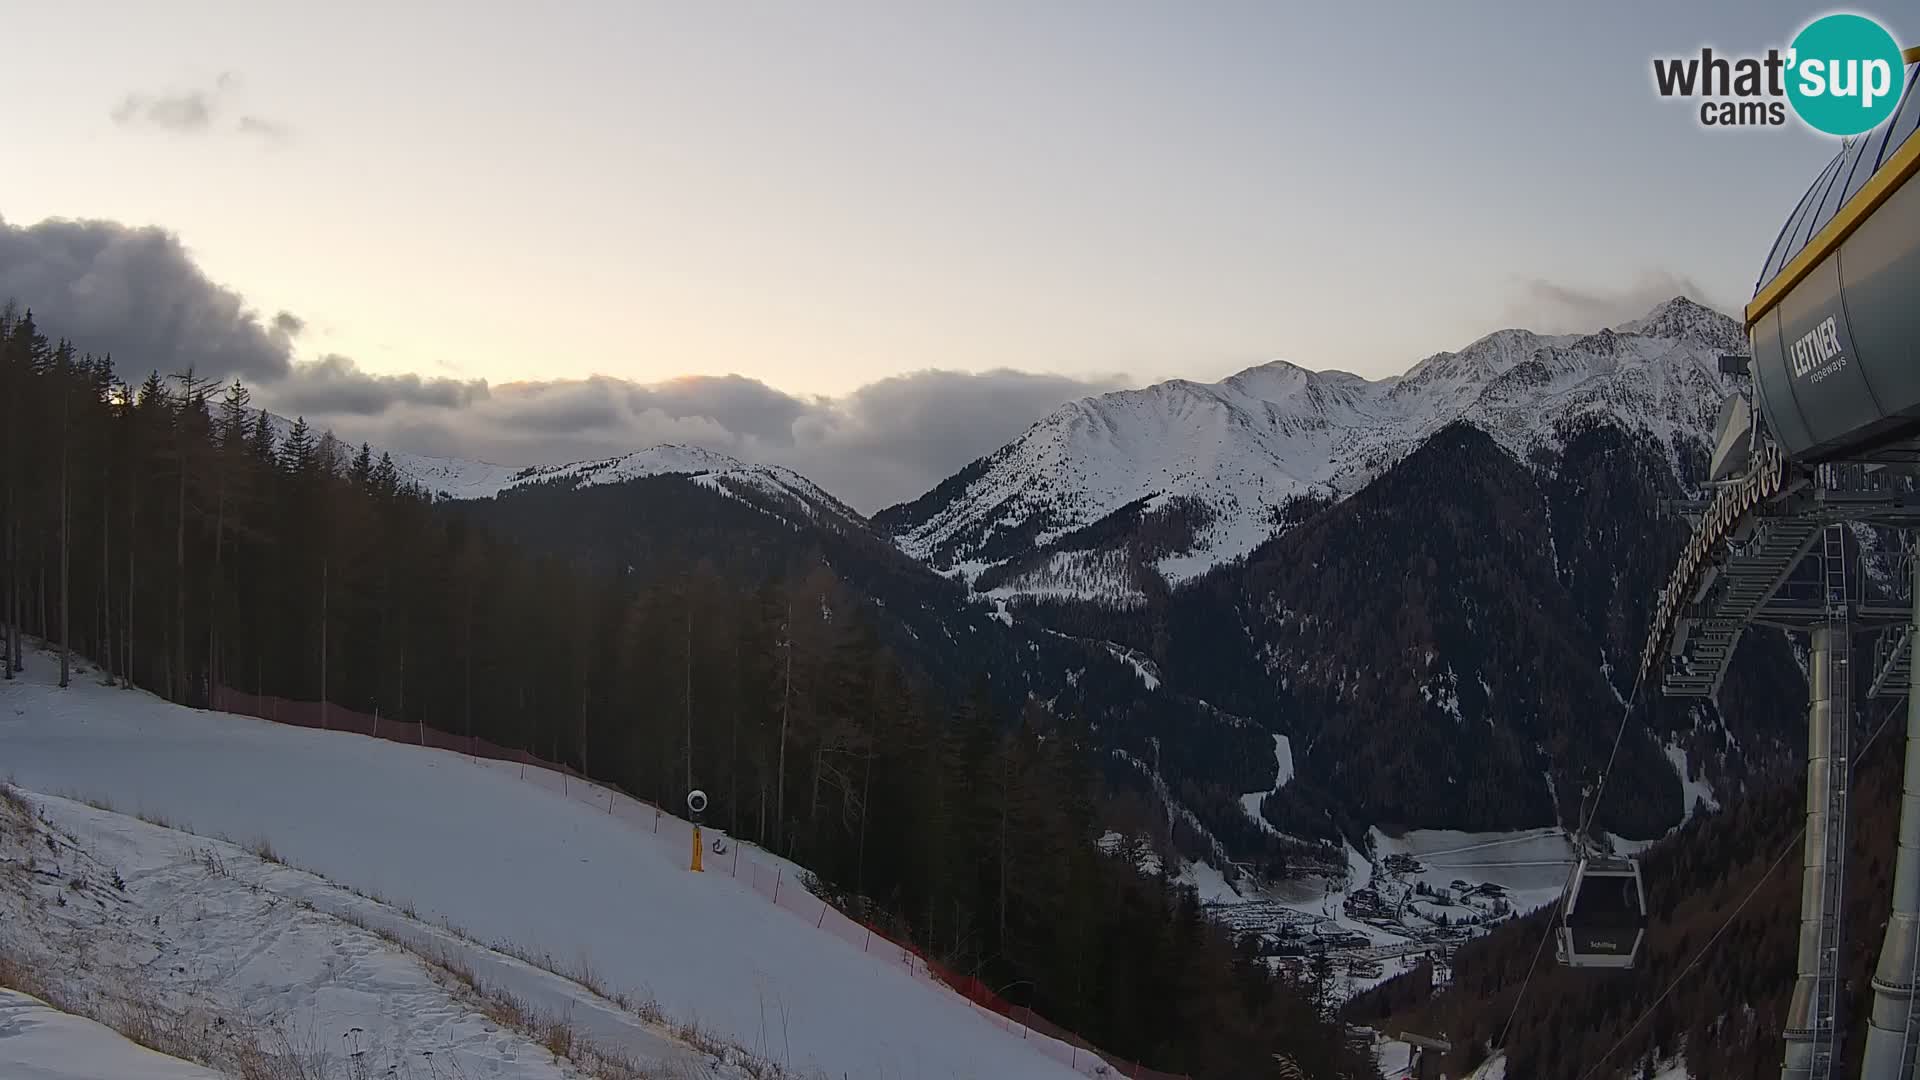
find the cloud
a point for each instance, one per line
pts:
(1556, 307)
(335, 386)
(137, 294)
(883, 443)
(195, 112)
(189, 113)
(261, 127)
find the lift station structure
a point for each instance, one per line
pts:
(1824, 437)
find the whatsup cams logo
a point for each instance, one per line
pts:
(1842, 75)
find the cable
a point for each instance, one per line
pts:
(1858, 757)
(1698, 956)
(1495, 865)
(1626, 714)
(1537, 834)
(1524, 983)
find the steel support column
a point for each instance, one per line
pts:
(1894, 1027)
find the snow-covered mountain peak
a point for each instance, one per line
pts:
(773, 488)
(1682, 319)
(663, 460)
(719, 472)
(1223, 458)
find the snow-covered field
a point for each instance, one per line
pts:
(1531, 865)
(1392, 924)
(509, 862)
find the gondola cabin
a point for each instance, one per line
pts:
(1603, 915)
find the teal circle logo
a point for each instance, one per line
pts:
(1844, 74)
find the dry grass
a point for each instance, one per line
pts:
(94, 801)
(558, 1036)
(263, 850)
(212, 862)
(223, 1044)
(14, 803)
(15, 975)
(16, 813)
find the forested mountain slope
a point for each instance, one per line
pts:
(1735, 874)
(168, 532)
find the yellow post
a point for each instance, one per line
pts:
(696, 849)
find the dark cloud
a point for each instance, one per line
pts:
(892, 440)
(885, 442)
(195, 112)
(1556, 307)
(136, 293)
(334, 386)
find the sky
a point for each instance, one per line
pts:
(528, 233)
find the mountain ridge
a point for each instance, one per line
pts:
(1231, 453)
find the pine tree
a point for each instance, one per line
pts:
(260, 443)
(63, 374)
(297, 452)
(386, 478)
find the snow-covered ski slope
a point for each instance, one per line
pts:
(39, 1042)
(204, 942)
(509, 861)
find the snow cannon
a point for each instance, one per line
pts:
(697, 805)
(1834, 326)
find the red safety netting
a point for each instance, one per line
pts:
(775, 879)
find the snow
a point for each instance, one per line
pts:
(1394, 1058)
(464, 478)
(205, 928)
(1071, 575)
(1143, 667)
(1530, 864)
(1691, 789)
(1674, 1069)
(1112, 843)
(1283, 761)
(511, 861)
(1240, 447)
(1359, 870)
(1621, 845)
(39, 1042)
(1209, 882)
(1283, 772)
(719, 473)
(1250, 803)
